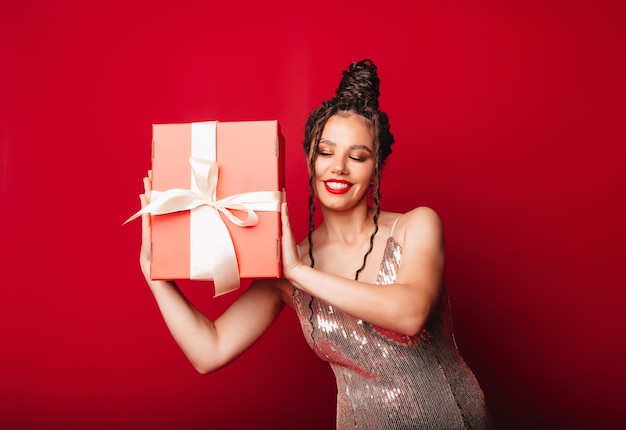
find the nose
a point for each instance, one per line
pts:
(339, 166)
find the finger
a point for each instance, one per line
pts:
(288, 240)
(147, 187)
(145, 219)
(284, 216)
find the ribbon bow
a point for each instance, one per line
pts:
(212, 251)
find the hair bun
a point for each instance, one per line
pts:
(359, 85)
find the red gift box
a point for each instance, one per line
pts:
(224, 180)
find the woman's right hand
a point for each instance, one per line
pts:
(145, 255)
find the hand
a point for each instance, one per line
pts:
(145, 255)
(290, 255)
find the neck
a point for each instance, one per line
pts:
(348, 227)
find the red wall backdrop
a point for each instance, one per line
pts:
(508, 119)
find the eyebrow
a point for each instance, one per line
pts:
(356, 146)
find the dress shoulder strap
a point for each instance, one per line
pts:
(393, 227)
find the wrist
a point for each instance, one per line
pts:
(296, 273)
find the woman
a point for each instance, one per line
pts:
(366, 284)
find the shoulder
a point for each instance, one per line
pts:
(421, 224)
(423, 215)
(419, 217)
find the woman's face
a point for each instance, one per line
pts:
(345, 160)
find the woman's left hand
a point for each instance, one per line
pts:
(290, 255)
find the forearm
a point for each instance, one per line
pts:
(191, 329)
(210, 345)
(398, 307)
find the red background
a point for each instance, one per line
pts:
(508, 118)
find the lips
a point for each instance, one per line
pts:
(335, 186)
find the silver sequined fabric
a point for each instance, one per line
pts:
(386, 380)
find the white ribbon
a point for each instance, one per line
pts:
(212, 253)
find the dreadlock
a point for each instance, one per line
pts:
(357, 93)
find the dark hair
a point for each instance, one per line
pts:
(357, 93)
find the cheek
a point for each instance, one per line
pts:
(321, 164)
(369, 174)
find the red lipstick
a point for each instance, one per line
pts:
(337, 186)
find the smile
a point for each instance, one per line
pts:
(337, 187)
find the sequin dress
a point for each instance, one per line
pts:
(386, 380)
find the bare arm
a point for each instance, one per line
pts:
(210, 345)
(404, 306)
